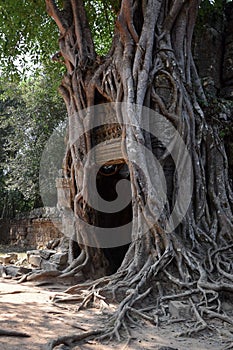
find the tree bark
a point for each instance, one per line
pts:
(150, 64)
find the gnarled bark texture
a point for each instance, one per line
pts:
(150, 64)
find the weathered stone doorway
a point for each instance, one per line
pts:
(107, 178)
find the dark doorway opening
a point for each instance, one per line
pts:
(107, 178)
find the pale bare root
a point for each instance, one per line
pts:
(193, 263)
(39, 276)
(202, 296)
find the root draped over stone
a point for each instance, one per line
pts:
(150, 64)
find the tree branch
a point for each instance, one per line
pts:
(82, 31)
(56, 14)
(172, 15)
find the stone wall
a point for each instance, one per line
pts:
(4, 231)
(227, 72)
(32, 230)
(213, 53)
(207, 51)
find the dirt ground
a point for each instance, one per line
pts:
(29, 308)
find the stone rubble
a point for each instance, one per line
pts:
(47, 259)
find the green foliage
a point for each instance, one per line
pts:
(28, 115)
(29, 37)
(31, 110)
(101, 16)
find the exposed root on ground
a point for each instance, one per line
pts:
(229, 346)
(10, 333)
(145, 296)
(70, 340)
(39, 276)
(149, 65)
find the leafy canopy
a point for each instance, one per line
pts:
(29, 37)
(29, 112)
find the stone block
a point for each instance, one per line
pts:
(59, 259)
(35, 260)
(53, 243)
(21, 262)
(64, 244)
(32, 252)
(48, 266)
(9, 258)
(63, 192)
(12, 271)
(24, 270)
(179, 309)
(46, 253)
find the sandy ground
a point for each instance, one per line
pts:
(28, 308)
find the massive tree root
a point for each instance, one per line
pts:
(139, 301)
(150, 64)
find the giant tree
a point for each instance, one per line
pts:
(149, 67)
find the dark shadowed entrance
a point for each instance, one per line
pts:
(108, 177)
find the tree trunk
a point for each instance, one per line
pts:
(148, 71)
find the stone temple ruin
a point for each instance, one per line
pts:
(36, 234)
